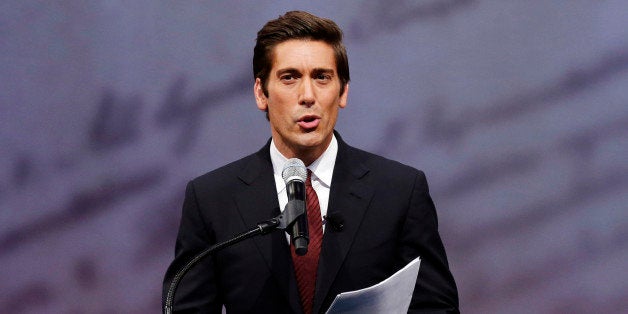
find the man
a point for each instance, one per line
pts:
(387, 217)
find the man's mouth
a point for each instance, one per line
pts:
(309, 122)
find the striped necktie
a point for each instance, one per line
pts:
(305, 266)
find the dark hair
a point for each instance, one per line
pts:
(298, 25)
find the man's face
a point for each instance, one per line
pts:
(303, 98)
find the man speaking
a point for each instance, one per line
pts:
(367, 216)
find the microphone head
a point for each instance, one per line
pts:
(294, 169)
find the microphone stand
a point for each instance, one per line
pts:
(293, 210)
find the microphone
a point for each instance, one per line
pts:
(294, 175)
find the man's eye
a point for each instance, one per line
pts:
(286, 77)
(323, 77)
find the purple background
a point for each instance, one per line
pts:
(516, 110)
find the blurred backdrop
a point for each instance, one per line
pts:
(516, 110)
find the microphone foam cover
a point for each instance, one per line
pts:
(294, 168)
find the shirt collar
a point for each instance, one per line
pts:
(322, 168)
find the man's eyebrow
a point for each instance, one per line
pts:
(294, 70)
(286, 70)
(323, 70)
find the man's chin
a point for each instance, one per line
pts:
(311, 141)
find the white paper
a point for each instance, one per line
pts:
(393, 295)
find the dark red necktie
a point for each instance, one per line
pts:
(305, 266)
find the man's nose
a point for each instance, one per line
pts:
(306, 92)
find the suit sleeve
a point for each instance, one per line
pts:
(197, 291)
(435, 290)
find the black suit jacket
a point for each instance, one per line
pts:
(389, 219)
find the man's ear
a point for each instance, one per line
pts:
(260, 98)
(343, 98)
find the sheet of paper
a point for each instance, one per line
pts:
(392, 295)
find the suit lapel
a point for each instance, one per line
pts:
(349, 197)
(258, 202)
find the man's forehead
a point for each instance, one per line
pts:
(294, 53)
